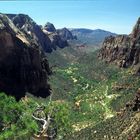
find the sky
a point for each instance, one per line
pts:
(118, 16)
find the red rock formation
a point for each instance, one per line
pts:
(124, 50)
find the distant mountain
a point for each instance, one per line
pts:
(91, 37)
(46, 37)
(66, 34)
(49, 27)
(56, 39)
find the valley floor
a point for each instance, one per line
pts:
(88, 102)
(96, 93)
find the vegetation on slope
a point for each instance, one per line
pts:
(87, 96)
(17, 119)
(96, 92)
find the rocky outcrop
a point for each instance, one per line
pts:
(23, 46)
(49, 27)
(66, 34)
(45, 37)
(124, 50)
(23, 65)
(31, 30)
(56, 39)
(134, 105)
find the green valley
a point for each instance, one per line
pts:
(95, 90)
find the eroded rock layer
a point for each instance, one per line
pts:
(124, 50)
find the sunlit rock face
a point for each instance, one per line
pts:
(124, 50)
(32, 31)
(23, 65)
(56, 39)
(45, 37)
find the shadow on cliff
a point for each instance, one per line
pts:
(22, 68)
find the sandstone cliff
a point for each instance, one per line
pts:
(124, 50)
(32, 31)
(23, 65)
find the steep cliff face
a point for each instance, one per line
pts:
(49, 27)
(124, 50)
(46, 38)
(23, 67)
(66, 34)
(31, 30)
(56, 39)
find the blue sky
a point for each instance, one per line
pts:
(117, 16)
